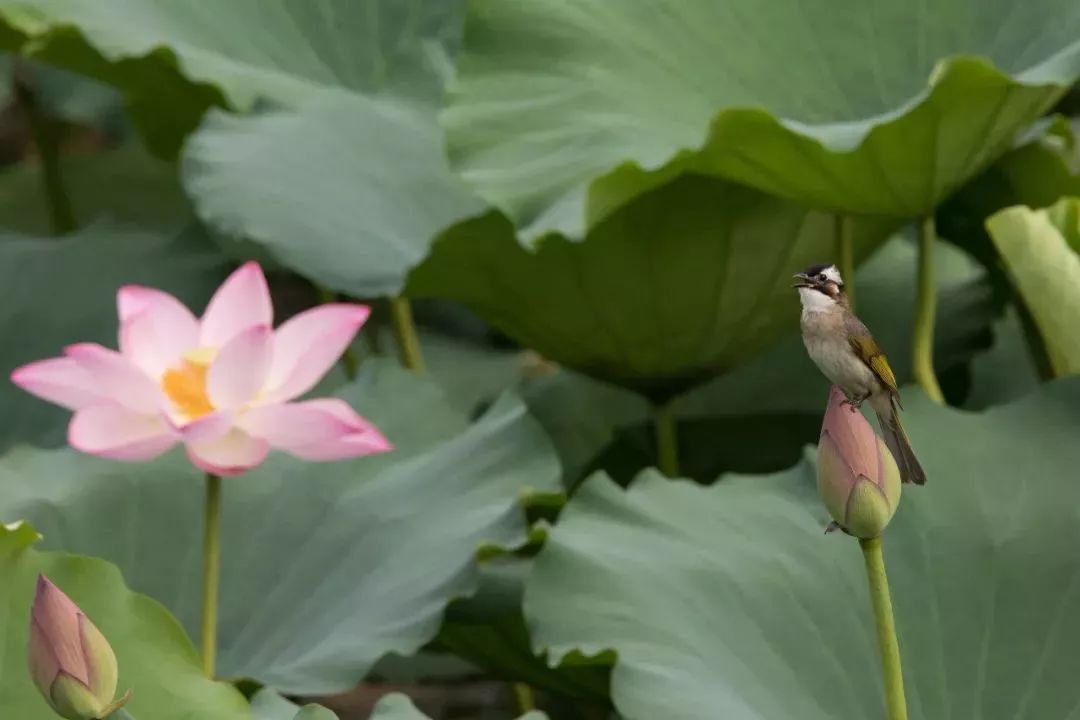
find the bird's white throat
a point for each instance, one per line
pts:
(815, 301)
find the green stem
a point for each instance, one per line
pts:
(121, 714)
(667, 440)
(405, 332)
(211, 572)
(891, 671)
(349, 361)
(925, 306)
(845, 252)
(526, 699)
(47, 134)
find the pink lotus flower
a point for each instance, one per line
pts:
(221, 385)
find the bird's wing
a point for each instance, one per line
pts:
(864, 345)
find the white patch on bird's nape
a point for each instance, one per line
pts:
(832, 274)
(815, 300)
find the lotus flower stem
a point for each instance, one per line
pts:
(925, 306)
(121, 714)
(526, 699)
(211, 572)
(349, 361)
(667, 441)
(405, 332)
(46, 133)
(891, 670)
(845, 252)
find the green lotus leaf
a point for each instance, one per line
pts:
(63, 290)
(156, 659)
(1040, 248)
(268, 705)
(489, 630)
(562, 112)
(326, 567)
(396, 706)
(348, 190)
(688, 282)
(730, 601)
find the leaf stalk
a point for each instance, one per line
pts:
(211, 572)
(925, 308)
(667, 439)
(408, 341)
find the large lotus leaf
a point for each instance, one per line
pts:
(63, 290)
(119, 185)
(348, 190)
(174, 58)
(730, 601)
(1040, 248)
(564, 110)
(396, 706)
(687, 282)
(326, 567)
(155, 658)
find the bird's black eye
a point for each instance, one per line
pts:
(821, 277)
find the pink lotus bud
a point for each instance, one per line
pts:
(858, 479)
(70, 660)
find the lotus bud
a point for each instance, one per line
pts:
(858, 479)
(71, 662)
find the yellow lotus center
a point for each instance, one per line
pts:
(185, 385)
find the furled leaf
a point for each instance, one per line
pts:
(326, 567)
(730, 601)
(686, 283)
(63, 290)
(1039, 248)
(156, 660)
(563, 111)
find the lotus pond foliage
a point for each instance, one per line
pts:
(405, 359)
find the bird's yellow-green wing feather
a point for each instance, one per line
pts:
(867, 349)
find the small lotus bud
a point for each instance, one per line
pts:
(70, 660)
(858, 479)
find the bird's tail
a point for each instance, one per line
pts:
(896, 440)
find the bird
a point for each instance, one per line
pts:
(846, 353)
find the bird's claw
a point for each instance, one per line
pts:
(854, 405)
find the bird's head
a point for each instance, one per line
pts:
(819, 286)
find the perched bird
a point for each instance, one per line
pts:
(847, 354)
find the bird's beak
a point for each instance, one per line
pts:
(801, 280)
